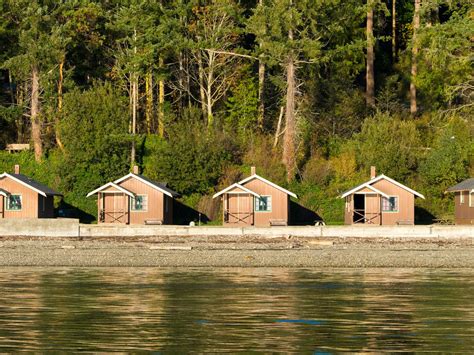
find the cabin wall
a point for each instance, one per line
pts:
(29, 199)
(280, 204)
(463, 214)
(155, 203)
(406, 204)
(348, 208)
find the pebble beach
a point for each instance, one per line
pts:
(249, 251)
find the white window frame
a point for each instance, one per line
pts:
(132, 203)
(461, 197)
(256, 204)
(7, 203)
(397, 204)
(471, 199)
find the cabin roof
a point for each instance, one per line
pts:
(238, 186)
(374, 180)
(115, 186)
(467, 184)
(4, 192)
(32, 184)
(258, 177)
(156, 185)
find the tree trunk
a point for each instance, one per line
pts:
(394, 30)
(277, 132)
(10, 84)
(261, 87)
(149, 102)
(201, 84)
(60, 104)
(161, 102)
(416, 26)
(134, 104)
(370, 81)
(209, 82)
(35, 120)
(289, 153)
(134, 115)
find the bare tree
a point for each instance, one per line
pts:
(416, 26)
(35, 109)
(370, 78)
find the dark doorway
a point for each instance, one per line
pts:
(359, 209)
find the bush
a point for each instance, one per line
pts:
(191, 160)
(390, 144)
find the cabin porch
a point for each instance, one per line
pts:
(364, 208)
(113, 207)
(238, 208)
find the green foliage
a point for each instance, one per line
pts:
(242, 109)
(94, 129)
(445, 63)
(390, 144)
(208, 53)
(448, 160)
(191, 160)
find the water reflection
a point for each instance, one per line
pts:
(236, 309)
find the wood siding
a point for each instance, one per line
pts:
(463, 213)
(115, 207)
(29, 199)
(348, 208)
(155, 202)
(372, 208)
(280, 203)
(240, 208)
(406, 204)
(373, 203)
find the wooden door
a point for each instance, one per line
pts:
(240, 209)
(372, 209)
(115, 208)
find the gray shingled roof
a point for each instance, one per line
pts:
(161, 185)
(463, 186)
(35, 184)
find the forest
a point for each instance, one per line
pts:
(194, 92)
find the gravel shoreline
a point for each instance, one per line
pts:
(252, 251)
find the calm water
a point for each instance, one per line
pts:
(198, 310)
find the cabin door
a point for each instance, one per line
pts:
(240, 209)
(115, 208)
(359, 209)
(372, 209)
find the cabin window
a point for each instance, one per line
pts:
(471, 199)
(263, 204)
(140, 203)
(461, 197)
(390, 204)
(14, 203)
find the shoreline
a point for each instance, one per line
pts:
(225, 251)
